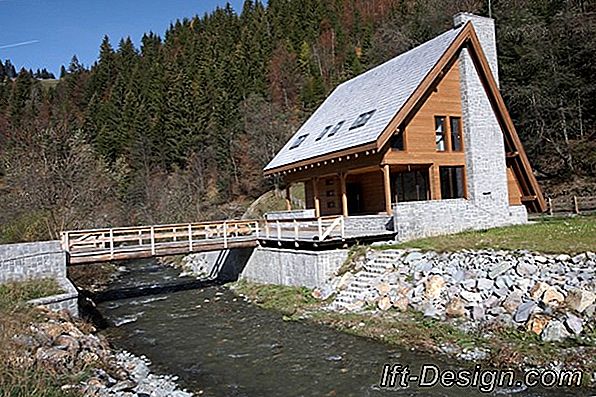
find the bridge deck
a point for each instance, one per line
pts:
(103, 245)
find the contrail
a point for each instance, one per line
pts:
(18, 44)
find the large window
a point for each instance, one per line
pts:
(452, 182)
(440, 128)
(455, 126)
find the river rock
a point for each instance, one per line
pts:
(471, 296)
(499, 269)
(485, 284)
(384, 303)
(574, 324)
(523, 311)
(579, 299)
(554, 332)
(553, 297)
(401, 303)
(434, 286)
(525, 269)
(537, 323)
(455, 308)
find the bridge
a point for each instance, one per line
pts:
(122, 243)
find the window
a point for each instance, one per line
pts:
(336, 128)
(440, 133)
(298, 141)
(397, 141)
(455, 126)
(362, 119)
(452, 182)
(322, 134)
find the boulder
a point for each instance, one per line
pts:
(485, 284)
(555, 331)
(538, 290)
(513, 301)
(553, 297)
(471, 296)
(499, 269)
(537, 323)
(434, 286)
(478, 313)
(525, 269)
(401, 304)
(455, 308)
(383, 288)
(579, 299)
(384, 303)
(524, 311)
(413, 257)
(574, 324)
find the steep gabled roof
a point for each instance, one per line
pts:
(383, 89)
(392, 90)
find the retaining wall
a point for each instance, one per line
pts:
(31, 261)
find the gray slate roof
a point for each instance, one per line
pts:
(384, 88)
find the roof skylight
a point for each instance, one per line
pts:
(362, 119)
(322, 134)
(298, 141)
(336, 128)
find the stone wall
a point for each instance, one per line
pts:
(430, 218)
(294, 214)
(292, 267)
(45, 259)
(369, 223)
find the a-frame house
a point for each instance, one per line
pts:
(422, 143)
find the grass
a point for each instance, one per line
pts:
(14, 295)
(508, 347)
(547, 235)
(19, 375)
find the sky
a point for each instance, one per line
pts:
(47, 33)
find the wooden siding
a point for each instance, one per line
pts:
(513, 188)
(371, 187)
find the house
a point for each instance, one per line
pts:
(422, 143)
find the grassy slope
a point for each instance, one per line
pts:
(548, 235)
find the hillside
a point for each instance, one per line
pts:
(180, 128)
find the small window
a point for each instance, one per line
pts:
(362, 119)
(455, 124)
(452, 182)
(397, 141)
(440, 133)
(322, 134)
(336, 128)
(298, 141)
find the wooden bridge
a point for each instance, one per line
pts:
(121, 243)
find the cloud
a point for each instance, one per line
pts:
(18, 44)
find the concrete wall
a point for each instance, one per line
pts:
(45, 259)
(292, 267)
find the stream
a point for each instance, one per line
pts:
(220, 345)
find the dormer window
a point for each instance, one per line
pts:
(362, 119)
(298, 141)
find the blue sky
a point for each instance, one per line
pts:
(47, 33)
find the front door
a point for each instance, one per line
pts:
(354, 196)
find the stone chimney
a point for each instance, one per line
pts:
(485, 30)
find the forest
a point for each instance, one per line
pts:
(180, 128)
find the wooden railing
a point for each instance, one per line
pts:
(97, 245)
(574, 204)
(304, 229)
(143, 241)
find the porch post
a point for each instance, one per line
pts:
(344, 195)
(288, 198)
(387, 185)
(315, 189)
(435, 183)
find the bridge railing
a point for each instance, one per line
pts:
(112, 241)
(304, 229)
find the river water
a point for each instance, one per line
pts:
(220, 345)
